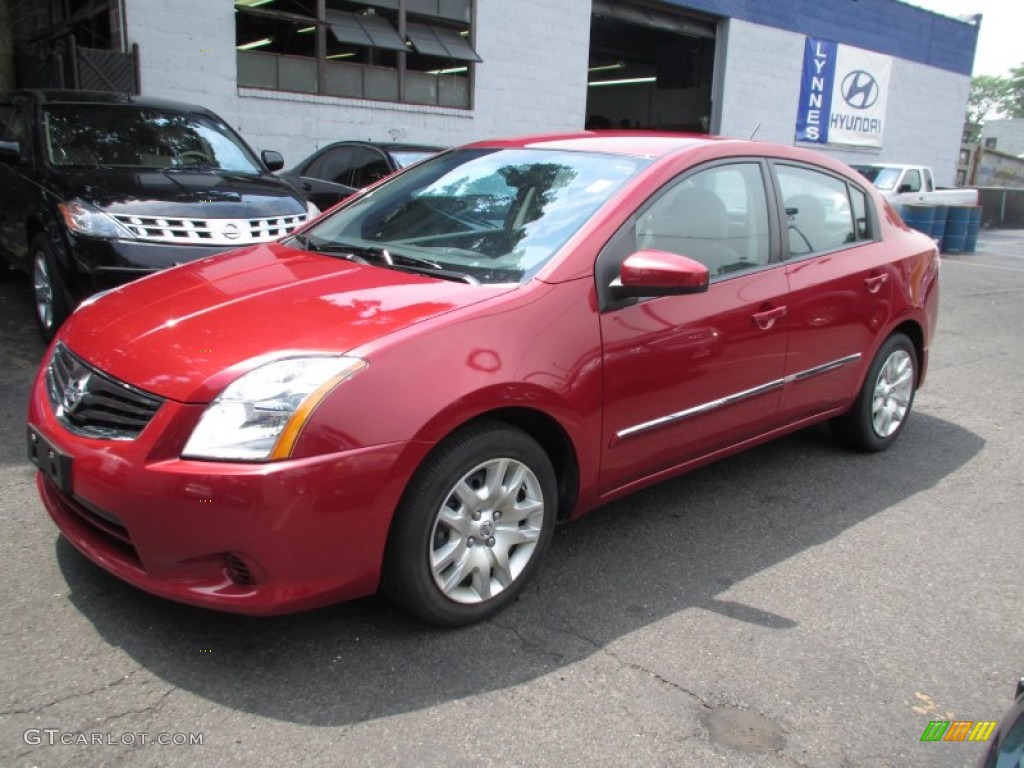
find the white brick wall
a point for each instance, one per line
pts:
(533, 78)
(1009, 135)
(762, 85)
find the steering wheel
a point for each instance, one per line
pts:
(200, 158)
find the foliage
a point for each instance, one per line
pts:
(994, 94)
(987, 94)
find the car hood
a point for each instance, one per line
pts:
(187, 332)
(222, 194)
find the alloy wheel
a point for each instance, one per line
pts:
(893, 391)
(43, 288)
(486, 530)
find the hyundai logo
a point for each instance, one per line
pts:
(230, 231)
(74, 393)
(860, 89)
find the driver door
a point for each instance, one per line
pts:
(686, 376)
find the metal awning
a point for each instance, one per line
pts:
(371, 31)
(439, 41)
(653, 18)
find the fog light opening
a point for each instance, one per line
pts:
(238, 570)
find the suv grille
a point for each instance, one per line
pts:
(166, 229)
(90, 403)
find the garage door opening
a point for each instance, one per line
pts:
(650, 67)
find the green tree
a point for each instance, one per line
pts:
(988, 94)
(1012, 103)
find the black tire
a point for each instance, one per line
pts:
(883, 406)
(50, 297)
(494, 541)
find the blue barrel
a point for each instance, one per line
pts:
(973, 227)
(939, 221)
(956, 228)
(919, 217)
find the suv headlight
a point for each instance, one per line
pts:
(259, 416)
(84, 219)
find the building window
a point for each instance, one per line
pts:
(411, 51)
(990, 142)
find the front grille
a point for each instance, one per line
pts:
(92, 404)
(102, 525)
(169, 229)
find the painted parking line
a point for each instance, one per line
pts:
(947, 262)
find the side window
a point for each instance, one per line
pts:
(368, 166)
(912, 180)
(718, 217)
(12, 124)
(861, 218)
(334, 165)
(818, 213)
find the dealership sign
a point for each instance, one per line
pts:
(843, 93)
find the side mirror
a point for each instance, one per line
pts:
(10, 151)
(273, 160)
(659, 273)
(904, 188)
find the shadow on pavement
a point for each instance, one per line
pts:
(670, 548)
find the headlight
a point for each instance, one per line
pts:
(260, 415)
(311, 210)
(83, 219)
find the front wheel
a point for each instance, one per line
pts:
(886, 397)
(472, 526)
(50, 301)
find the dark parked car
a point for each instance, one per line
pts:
(1006, 749)
(333, 173)
(100, 188)
(411, 391)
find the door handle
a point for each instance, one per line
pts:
(875, 282)
(307, 186)
(765, 320)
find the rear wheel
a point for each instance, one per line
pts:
(472, 526)
(886, 397)
(50, 300)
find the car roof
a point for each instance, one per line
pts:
(660, 144)
(385, 145)
(633, 143)
(52, 96)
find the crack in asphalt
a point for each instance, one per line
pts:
(41, 707)
(151, 709)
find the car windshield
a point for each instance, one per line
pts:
(133, 136)
(882, 177)
(496, 216)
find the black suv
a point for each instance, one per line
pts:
(99, 188)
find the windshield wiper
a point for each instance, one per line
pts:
(384, 257)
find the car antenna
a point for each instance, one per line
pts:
(754, 132)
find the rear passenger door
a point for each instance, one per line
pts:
(840, 282)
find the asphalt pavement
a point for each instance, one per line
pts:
(797, 605)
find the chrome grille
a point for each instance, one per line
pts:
(92, 404)
(169, 229)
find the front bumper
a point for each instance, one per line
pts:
(102, 264)
(257, 539)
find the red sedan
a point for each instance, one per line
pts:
(409, 393)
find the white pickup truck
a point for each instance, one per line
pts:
(913, 184)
